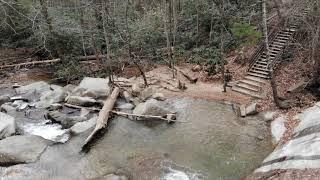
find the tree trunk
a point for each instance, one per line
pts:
(266, 41)
(167, 21)
(211, 23)
(222, 46)
(45, 13)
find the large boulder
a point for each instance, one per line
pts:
(151, 107)
(147, 93)
(252, 109)
(49, 97)
(298, 87)
(7, 108)
(84, 126)
(159, 96)
(64, 120)
(136, 89)
(39, 87)
(81, 101)
(278, 129)
(21, 149)
(93, 87)
(4, 99)
(7, 125)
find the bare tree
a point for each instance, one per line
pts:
(266, 41)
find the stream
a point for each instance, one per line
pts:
(211, 143)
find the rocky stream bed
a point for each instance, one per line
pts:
(42, 135)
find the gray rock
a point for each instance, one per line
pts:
(81, 101)
(127, 96)
(4, 99)
(126, 106)
(21, 149)
(93, 87)
(52, 96)
(151, 107)
(252, 109)
(55, 106)
(268, 116)
(7, 125)
(69, 88)
(308, 119)
(56, 87)
(7, 108)
(243, 111)
(298, 87)
(39, 87)
(158, 96)
(84, 126)
(64, 120)
(136, 89)
(278, 129)
(147, 93)
(114, 177)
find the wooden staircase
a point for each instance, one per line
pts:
(258, 72)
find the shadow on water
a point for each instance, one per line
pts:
(213, 144)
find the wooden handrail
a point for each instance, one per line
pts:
(261, 48)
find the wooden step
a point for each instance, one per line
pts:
(258, 75)
(277, 46)
(262, 62)
(279, 43)
(274, 52)
(251, 83)
(256, 79)
(282, 38)
(247, 92)
(260, 69)
(275, 49)
(291, 29)
(260, 72)
(270, 55)
(284, 35)
(285, 31)
(260, 66)
(248, 87)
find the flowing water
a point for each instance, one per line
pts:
(212, 143)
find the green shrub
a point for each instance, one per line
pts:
(245, 33)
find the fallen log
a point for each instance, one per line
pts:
(169, 117)
(81, 107)
(30, 63)
(191, 79)
(103, 116)
(91, 57)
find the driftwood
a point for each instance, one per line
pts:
(91, 57)
(81, 107)
(191, 79)
(169, 117)
(30, 63)
(103, 115)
